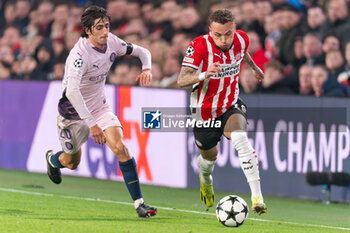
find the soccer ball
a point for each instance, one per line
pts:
(232, 211)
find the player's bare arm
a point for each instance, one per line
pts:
(188, 75)
(258, 73)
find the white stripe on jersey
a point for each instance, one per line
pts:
(210, 50)
(220, 88)
(228, 90)
(194, 95)
(243, 45)
(190, 65)
(241, 40)
(200, 67)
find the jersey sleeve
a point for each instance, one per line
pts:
(144, 55)
(194, 54)
(245, 39)
(76, 67)
(118, 45)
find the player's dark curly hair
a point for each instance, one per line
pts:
(90, 15)
(221, 16)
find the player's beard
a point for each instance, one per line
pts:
(228, 48)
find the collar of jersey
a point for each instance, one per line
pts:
(101, 50)
(97, 49)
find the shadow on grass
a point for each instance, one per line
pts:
(33, 186)
(111, 219)
(14, 212)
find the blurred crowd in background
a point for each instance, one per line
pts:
(303, 46)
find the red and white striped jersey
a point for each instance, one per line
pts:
(211, 97)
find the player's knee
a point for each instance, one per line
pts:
(209, 156)
(119, 149)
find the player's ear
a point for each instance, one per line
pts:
(88, 31)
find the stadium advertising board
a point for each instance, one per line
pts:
(311, 134)
(28, 130)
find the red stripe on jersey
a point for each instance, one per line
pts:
(204, 68)
(200, 85)
(208, 99)
(222, 97)
(226, 84)
(213, 84)
(205, 59)
(231, 96)
(237, 47)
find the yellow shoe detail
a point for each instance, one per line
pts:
(207, 194)
(258, 206)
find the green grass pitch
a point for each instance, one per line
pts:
(29, 202)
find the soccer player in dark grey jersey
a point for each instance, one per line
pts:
(83, 109)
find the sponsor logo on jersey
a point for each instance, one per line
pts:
(187, 59)
(98, 78)
(75, 71)
(227, 70)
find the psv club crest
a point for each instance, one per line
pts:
(238, 56)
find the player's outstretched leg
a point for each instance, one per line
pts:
(249, 164)
(206, 181)
(53, 166)
(131, 180)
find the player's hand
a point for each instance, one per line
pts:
(213, 69)
(258, 74)
(98, 135)
(145, 77)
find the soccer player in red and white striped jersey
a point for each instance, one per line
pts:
(211, 65)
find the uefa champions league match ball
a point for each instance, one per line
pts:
(232, 211)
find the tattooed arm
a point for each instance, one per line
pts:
(256, 70)
(188, 75)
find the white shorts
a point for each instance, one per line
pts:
(73, 133)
